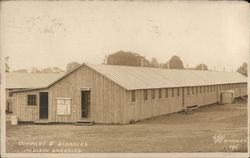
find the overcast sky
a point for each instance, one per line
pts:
(53, 33)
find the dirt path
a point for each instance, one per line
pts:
(171, 133)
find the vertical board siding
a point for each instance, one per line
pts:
(107, 98)
(24, 111)
(144, 109)
(110, 103)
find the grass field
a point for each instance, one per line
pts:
(213, 128)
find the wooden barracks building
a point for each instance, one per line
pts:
(120, 94)
(20, 81)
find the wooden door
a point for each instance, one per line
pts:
(44, 104)
(85, 103)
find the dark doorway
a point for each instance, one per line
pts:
(43, 111)
(85, 98)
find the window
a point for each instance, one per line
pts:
(31, 99)
(166, 94)
(172, 92)
(133, 96)
(63, 106)
(188, 90)
(196, 88)
(145, 94)
(160, 93)
(153, 94)
(200, 89)
(178, 91)
(192, 90)
(10, 94)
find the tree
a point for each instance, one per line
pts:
(202, 67)
(127, 58)
(35, 70)
(154, 63)
(243, 69)
(57, 70)
(21, 70)
(174, 63)
(46, 70)
(72, 65)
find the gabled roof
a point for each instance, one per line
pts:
(17, 80)
(132, 78)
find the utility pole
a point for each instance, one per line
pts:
(142, 62)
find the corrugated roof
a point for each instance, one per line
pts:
(131, 77)
(30, 80)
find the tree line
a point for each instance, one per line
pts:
(134, 59)
(69, 67)
(127, 58)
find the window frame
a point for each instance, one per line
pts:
(31, 101)
(133, 96)
(153, 94)
(160, 93)
(145, 94)
(166, 92)
(10, 94)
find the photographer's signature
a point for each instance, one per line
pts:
(234, 143)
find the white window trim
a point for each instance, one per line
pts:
(68, 107)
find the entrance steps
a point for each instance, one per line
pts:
(42, 122)
(191, 109)
(243, 97)
(84, 123)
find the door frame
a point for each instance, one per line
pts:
(81, 101)
(40, 104)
